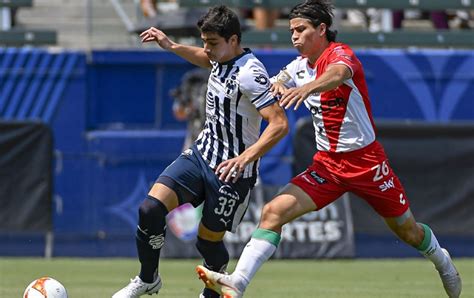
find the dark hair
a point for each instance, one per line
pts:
(317, 12)
(221, 20)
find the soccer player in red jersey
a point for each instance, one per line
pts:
(329, 80)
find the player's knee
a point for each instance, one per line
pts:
(215, 254)
(151, 219)
(151, 209)
(271, 217)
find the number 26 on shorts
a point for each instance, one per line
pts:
(381, 170)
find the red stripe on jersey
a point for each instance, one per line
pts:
(334, 103)
(334, 107)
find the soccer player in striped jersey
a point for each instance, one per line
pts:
(329, 80)
(221, 167)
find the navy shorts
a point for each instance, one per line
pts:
(195, 182)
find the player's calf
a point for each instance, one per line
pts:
(150, 236)
(216, 257)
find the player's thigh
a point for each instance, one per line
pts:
(165, 194)
(319, 184)
(289, 204)
(380, 187)
(388, 204)
(184, 177)
(225, 203)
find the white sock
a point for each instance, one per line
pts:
(431, 249)
(256, 252)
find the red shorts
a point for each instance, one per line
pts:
(364, 172)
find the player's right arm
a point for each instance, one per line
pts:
(195, 55)
(283, 80)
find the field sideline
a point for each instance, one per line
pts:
(99, 278)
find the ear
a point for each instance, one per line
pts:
(322, 31)
(234, 40)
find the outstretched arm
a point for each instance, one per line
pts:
(276, 129)
(334, 77)
(195, 55)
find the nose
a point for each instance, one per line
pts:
(294, 36)
(206, 49)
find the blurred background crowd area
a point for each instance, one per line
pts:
(114, 23)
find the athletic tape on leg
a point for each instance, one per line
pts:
(268, 235)
(426, 239)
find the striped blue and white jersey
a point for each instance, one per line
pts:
(236, 91)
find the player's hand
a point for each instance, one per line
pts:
(277, 89)
(153, 34)
(294, 96)
(231, 170)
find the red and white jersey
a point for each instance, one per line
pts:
(342, 117)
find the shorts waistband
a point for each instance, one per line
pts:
(359, 151)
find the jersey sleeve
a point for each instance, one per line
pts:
(286, 75)
(255, 84)
(344, 55)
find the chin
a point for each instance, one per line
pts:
(298, 47)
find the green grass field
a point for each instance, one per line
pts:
(91, 278)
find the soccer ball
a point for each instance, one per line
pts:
(45, 287)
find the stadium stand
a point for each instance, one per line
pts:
(400, 4)
(84, 24)
(12, 35)
(281, 36)
(115, 23)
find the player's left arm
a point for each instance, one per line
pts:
(194, 55)
(276, 129)
(333, 77)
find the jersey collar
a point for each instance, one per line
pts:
(231, 61)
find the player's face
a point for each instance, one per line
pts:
(217, 48)
(306, 38)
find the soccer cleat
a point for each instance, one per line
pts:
(137, 287)
(221, 283)
(230, 293)
(207, 292)
(451, 280)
